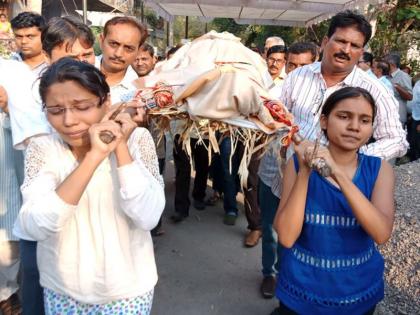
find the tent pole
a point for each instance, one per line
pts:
(186, 27)
(85, 11)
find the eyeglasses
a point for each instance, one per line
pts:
(76, 109)
(361, 61)
(273, 60)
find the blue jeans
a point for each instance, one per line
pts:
(230, 176)
(32, 292)
(231, 184)
(271, 248)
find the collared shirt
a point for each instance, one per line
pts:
(26, 116)
(37, 70)
(275, 91)
(385, 81)
(370, 72)
(269, 169)
(404, 80)
(415, 102)
(11, 172)
(269, 165)
(124, 90)
(305, 91)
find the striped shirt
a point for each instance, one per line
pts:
(305, 91)
(11, 176)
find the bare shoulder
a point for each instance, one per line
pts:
(385, 182)
(387, 170)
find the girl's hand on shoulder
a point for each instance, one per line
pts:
(98, 147)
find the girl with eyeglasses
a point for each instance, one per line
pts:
(91, 205)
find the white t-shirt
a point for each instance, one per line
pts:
(26, 116)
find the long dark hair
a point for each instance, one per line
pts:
(68, 69)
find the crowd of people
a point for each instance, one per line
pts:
(78, 214)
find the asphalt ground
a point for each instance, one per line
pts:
(203, 266)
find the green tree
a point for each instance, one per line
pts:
(397, 29)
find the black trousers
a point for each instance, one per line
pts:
(183, 174)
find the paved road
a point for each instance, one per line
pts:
(203, 267)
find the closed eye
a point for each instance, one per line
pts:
(343, 116)
(54, 110)
(83, 108)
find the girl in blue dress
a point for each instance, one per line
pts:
(329, 226)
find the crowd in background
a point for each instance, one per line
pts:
(67, 169)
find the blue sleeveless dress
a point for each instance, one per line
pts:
(334, 266)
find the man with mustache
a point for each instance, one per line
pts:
(276, 60)
(269, 184)
(145, 60)
(27, 28)
(120, 43)
(306, 89)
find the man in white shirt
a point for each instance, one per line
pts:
(15, 86)
(381, 70)
(62, 37)
(401, 81)
(26, 117)
(365, 63)
(298, 55)
(120, 43)
(306, 89)
(27, 28)
(276, 60)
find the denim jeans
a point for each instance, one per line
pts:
(271, 248)
(231, 184)
(230, 176)
(32, 292)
